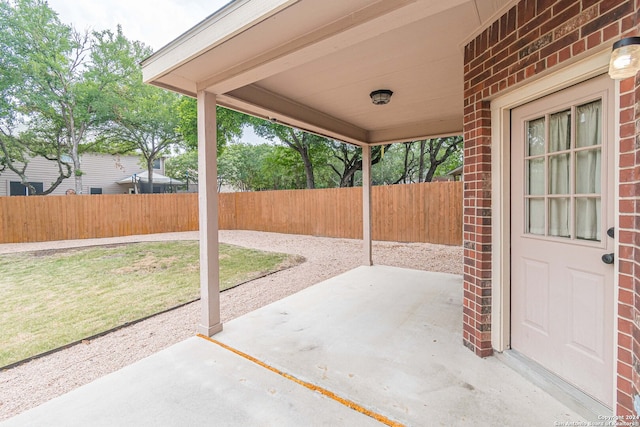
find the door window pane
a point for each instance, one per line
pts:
(559, 217)
(535, 137)
(560, 131)
(563, 173)
(535, 176)
(535, 214)
(559, 174)
(588, 218)
(588, 131)
(588, 171)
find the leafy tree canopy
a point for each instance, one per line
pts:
(183, 167)
(229, 124)
(61, 85)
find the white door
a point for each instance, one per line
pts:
(562, 293)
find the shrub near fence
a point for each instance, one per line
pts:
(426, 212)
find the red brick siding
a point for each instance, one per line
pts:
(532, 37)
(628, 237)
(477, 229)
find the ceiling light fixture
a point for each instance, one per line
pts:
(381, 96)
(625, 58)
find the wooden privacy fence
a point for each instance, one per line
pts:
(44, 218)
(427, 212)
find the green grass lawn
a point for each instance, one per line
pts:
(51, 298)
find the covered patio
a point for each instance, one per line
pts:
(337, 353)
(490, 69)
(321, 67)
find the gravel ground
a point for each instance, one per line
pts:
(38, 381)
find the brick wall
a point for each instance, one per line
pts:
(532, 37)
(476, 236)
(628, 381)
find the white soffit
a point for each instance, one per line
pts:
(312, 63)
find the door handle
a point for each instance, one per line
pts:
(607, 258)
(611, 232)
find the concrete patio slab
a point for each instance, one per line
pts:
(193, 383)
(385, 338)
(389, 338)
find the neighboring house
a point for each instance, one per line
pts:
(452, 175)
(101, 175)
(139, 183)
(227, 188)
(551, 158)
(455, 174)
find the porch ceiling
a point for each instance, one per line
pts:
(313, 64)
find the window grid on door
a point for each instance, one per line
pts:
(562, 169)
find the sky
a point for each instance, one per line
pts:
(154, 22)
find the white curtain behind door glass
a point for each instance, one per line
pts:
(536, 176)
(559, 139)
(535, 135)
(560, 131)
(588, 170)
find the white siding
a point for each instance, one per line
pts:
(100, 171)
(104, 170)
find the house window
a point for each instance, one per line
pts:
(157, 164)
(95, 190)
(16, 188)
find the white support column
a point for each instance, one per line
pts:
(208, 204)
(366, 204)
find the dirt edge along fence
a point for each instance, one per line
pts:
(426, 212)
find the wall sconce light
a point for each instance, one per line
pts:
(381, 96)
(625, 58)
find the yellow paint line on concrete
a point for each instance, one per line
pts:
(346, 402)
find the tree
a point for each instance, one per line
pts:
(35, 48)
(418, 161)
(435, 152)
(147, 123)
(408, 163)
(242, 166)
(250, 167)
(229, 124)
(301, 142)
(283, 169)
(60, 85)
(349, 161)
(398, 166)
(135, 117)
(183, 167)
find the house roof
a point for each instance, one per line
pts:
(456, 171)
(158, 178)
(312, 64)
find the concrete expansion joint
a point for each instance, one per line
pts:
(346, 402)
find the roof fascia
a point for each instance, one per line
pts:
(236, 17)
